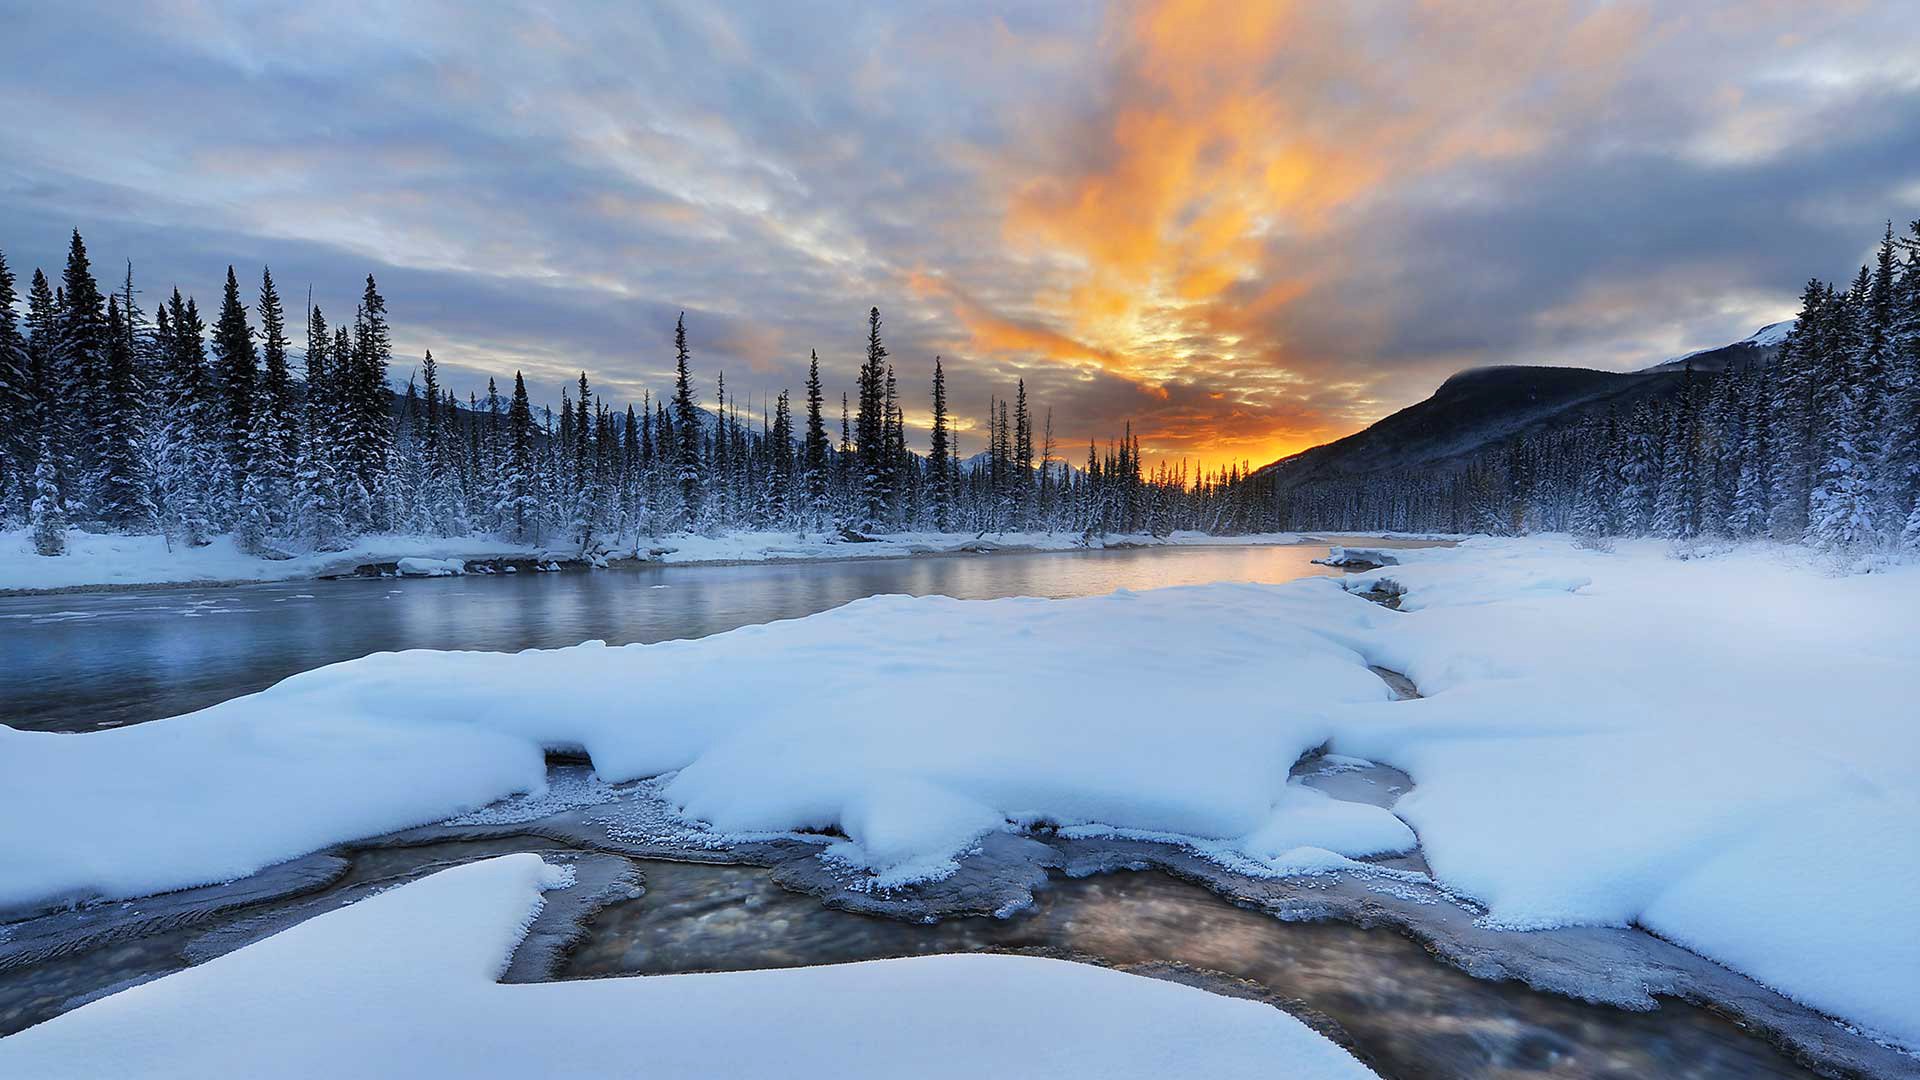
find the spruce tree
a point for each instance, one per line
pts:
(871, 494)
(46, 516)
(317, 482)
(16, 404)
(1842, 504)
(122, 496)
(1022, 456)
(940, 454)
(49, 402)
(1753, 496)
(814, 451)
(518, 509)
(236, 373)
(274, 440)
(1794, 419)
(366, 402)
(81, 366)
(686, 422)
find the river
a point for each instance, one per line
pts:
(89, 660)
(86, 661)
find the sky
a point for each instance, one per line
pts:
(1243, 228)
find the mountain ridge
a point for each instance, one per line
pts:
(1478, 407)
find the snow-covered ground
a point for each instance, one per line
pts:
(405, 984)
(1719, 749)
(95, 559)
(1723, 750)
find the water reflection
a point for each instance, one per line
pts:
(1406, 1014)
(80, 661)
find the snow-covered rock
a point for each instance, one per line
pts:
(420, 567)
(1358, 557)
(404, 984)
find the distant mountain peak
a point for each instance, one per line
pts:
(1766, 337)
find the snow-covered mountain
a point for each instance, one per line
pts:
(1757, 347)
(967, 466)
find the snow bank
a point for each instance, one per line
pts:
(403, 984)
(913, 725)
(1722, 750)
(96, 559)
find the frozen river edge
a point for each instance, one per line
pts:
(99, 563)
(1621, 968)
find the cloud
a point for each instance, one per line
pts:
(1244, 228)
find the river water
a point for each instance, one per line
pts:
(85, 661)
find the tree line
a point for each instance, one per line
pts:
(1821, 447)
(112, 420)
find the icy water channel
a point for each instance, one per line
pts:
(85, 661)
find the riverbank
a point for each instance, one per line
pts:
(102, 562)
(1713, 749)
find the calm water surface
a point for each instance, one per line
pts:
(82, 661)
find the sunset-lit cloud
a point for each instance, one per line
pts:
(1242, 228)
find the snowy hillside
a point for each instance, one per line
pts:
(1482, 407)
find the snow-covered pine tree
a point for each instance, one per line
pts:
(79, 379)
(940, 454)
(1022, 472)
(16, 407)
(46, 516)
(871, 493)
(1905, 413)
(368, 411)
(236, 376)
(45, 381)
(122, 487)
(1753, 493)
(1639, 471)
(814, 452)
(1721, 439)
(319, 510)
(1794, 420)
(686, 423)
(519, 507)
(1842, 503)
(1677, 505)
